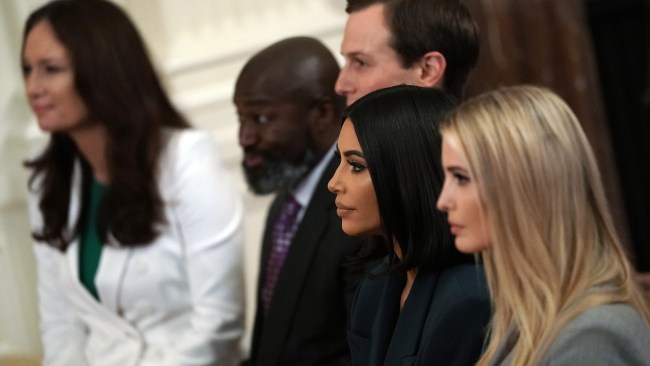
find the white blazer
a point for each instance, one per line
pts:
(177, 301)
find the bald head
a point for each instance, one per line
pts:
(288, 111)
(293, 68)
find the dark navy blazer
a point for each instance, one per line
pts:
(443, 321)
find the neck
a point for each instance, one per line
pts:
(410, 276)
(410, 279)
(91, 142)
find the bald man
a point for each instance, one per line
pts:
(289, 121)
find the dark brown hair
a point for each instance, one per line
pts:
(421, 26)
(116, 80)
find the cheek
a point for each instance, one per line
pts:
(71, 98)
(273, 136)
(480, 226)
(287, 131)
(487, 237)
(78, 110)
(371, 80)
(380, 81)
(278, 141)
(371, 207)
(393, 76)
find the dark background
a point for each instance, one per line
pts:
(595, 55)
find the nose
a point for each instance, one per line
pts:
(444, 200)
(248, 135)
(334, 185)
(343, 86)
(33, 86)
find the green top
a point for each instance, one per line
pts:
(90, 248)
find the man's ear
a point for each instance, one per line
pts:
(324, 123)
(321, 114)
(432, 69)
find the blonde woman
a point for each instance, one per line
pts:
(523, 189)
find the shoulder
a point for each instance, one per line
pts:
(464, 281)
(188, 151)
(608, 320)
(187, 141)
(605, 334)
(371, 287)
(376, 277)
(191, 165)
(457, 317)
(461, 296)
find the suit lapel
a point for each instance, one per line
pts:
(72, 252)
(110, 274)
(384, 323)
(296, 267)
(258, 324)
(274, 212)
(111, 266)
(408, 330)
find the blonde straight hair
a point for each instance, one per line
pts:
(555, 252)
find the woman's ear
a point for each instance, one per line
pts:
(432, 69)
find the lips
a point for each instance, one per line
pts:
(39, 110)
(454, 228)
(342, 210)
(253, 160)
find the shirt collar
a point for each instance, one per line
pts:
(305, 189)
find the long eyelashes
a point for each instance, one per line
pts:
(26, 70)
(462, 179)
(356, 167)
(48, 69)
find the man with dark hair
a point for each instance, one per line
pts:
(289, 121)
(430, 43)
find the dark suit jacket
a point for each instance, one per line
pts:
(443, 321)
(309, 312)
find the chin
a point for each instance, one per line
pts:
(353, 230)
(466, 247)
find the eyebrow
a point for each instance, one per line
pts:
(349, 153)
(258, 102)
(46, 60)
(353, 54)
(456, 169)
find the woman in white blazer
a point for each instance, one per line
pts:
(137, 222)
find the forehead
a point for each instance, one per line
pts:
(452, 151)
(261, 89)
(348, 137)
(41, 41)
(366, 31)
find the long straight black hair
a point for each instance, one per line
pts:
(397, 128)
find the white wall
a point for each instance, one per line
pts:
(199, 47)
(18, 320)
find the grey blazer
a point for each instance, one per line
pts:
(606, 335)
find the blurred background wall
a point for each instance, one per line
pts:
(593, 52)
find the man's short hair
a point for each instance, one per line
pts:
(421, 26)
